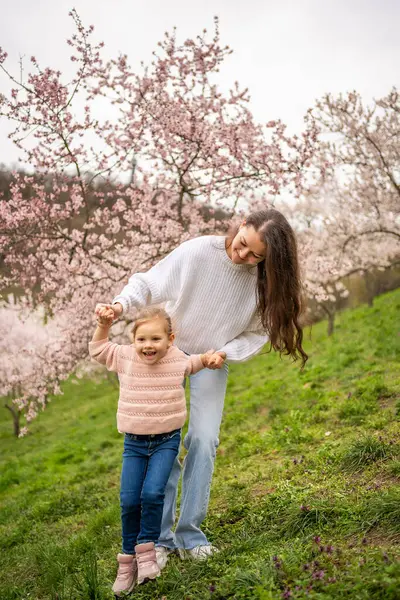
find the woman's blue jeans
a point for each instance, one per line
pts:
(207, 394)
(146, 467)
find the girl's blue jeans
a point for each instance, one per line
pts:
(146, 467)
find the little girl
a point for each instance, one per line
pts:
(151, 412)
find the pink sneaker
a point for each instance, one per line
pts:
(126, 576)
(146, 562)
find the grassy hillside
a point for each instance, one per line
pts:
(305, 500)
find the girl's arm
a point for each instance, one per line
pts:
(195, 363)
(105, 317)
(209, 360)
(101, 333)
(100, 348)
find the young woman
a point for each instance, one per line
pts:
(233, 294)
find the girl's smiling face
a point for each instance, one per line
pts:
(247, 248)
(152, 341)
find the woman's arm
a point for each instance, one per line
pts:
(159, 284)
(247, 344)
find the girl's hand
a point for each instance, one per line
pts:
(215, 360)
(105, 316)
(116, 308)
(205, 358)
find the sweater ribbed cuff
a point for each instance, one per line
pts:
(197, 363)
(124, 303)
(236, 353)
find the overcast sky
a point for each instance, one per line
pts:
(288, 52)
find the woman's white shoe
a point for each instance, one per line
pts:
(162, 554)
(198, 552)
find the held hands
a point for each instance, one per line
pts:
(213, 360)
(105, 315)
(115, 308)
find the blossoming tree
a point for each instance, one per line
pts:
(348, 214)
(110, 196)
(36, 356)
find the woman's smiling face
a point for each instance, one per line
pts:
(247, 248)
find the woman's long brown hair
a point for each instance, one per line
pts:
(279, 287)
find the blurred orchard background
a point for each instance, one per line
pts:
(120, 141)
(122, 136)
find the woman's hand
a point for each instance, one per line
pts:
(116, 308)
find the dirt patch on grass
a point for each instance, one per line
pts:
(385, 480)
(261, 490)
(388, 401)
(376, 538)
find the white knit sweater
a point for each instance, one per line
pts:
(211, 300)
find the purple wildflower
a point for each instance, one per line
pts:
(316, 564)
(318, 574)
(277, 562)
(317, 539)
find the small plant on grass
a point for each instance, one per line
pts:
(384, 510)
(86, 583)
(365, 451)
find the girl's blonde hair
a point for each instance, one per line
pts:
(150, 313)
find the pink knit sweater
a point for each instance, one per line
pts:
(151, 397)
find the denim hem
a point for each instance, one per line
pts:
(197, 545)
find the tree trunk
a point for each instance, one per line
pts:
(330, 313)
(331, 323)
(16, 416)
(370, 288)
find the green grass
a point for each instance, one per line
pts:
(305, 498)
